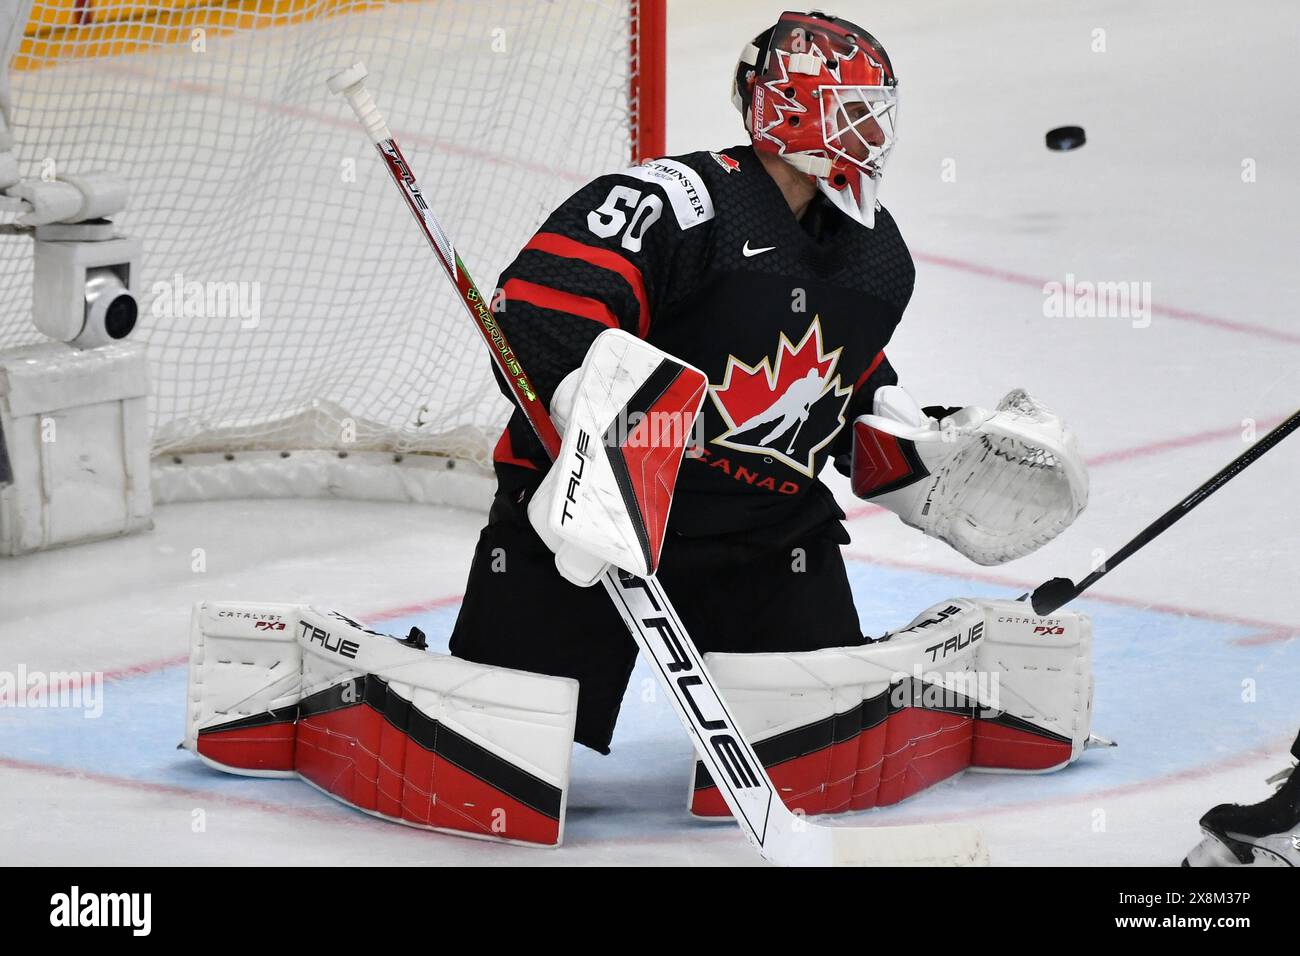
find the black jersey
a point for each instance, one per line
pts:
(701, 256)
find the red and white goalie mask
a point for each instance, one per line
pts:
(820, 93)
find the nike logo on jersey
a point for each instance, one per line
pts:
(756, 252)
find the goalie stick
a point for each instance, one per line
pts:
(1050, 595)
(780, 835)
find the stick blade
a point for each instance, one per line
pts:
(1050, 595)
(922, 845)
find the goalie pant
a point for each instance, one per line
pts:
(784, 589)
(758, 610)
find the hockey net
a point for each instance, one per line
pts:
(284, 299)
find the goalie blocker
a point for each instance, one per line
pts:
(626, 417)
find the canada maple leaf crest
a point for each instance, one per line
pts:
(788, 408)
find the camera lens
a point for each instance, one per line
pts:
(111, 309)
(120, 318)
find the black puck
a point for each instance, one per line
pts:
(1052, 594)
(1066, 137)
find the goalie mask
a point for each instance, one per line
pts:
(820, 93)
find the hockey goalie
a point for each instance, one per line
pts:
(708, 332)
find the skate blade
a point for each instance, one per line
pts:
(1211, 851)
(1280, 850)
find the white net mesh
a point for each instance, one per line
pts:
(286, 300)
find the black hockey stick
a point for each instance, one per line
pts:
(1050, 595)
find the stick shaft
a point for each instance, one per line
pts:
(1184, 507)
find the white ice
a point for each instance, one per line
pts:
(1197, 662)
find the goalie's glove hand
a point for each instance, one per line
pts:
(626, 417)
(995, 485)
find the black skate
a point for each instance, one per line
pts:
(1262, 834)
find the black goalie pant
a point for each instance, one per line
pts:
(731, 594)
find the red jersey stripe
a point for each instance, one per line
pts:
(558, 245)
(505, 452)
(545, 297)
(875, 364)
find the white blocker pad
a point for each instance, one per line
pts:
(968, 684)
(994, 485)
(607, 497)
(381, 724)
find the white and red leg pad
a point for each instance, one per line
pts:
(969, 684)
(423, 739)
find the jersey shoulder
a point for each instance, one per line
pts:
(886, 224)
(685, 181)
(882, 263)
(694, 187)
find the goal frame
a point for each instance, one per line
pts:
(221, 468)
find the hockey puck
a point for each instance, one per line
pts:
(1065, 137)
(1051, 595)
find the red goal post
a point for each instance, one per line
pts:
(648, 77)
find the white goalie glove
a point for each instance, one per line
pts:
(995, 485)
(626, 417)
